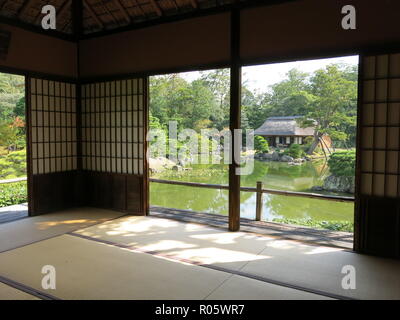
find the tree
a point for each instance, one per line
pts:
(12, 90)
(260, 144)
(333, 96)
(254, 109)
(218, 81)
(19, 109)
(290, 96)
(9, 136)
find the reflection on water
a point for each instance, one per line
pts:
(274, 175)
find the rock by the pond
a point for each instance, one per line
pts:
(160, 164)
(275, 156)
(317, 188)
(267, 156)
(264, 156)
(339, 184)
(286, 158)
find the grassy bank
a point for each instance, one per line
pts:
(344, 226)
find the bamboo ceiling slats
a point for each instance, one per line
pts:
(100, 15)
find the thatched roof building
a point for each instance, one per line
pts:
(283, 131)
(283, 126)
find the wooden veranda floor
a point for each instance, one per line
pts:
(300, 233)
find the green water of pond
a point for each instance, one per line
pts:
(274, 175)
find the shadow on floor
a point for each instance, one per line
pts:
(291, 232)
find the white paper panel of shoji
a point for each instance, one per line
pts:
(53, 126)
(112, 120)
(380, 142)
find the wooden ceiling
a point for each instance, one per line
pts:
(103, 15)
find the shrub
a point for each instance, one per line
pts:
(13, 193)
(261, 144)
(13, 165)
(295, 151)
(342, 163)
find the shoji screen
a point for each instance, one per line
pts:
(379, 163)
(53, 126)
(52, 143)
(113, 135)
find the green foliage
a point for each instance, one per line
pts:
(261, 144)
(344, 226)
(332, 108)
(13, 193)
(172, 98)
(13, 165)
(342, 163)
(19, 110)
(295, 151)
(154, 122)
(11, 136)
(328, 96)
(12, 90)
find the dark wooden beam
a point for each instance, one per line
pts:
(235, 102)
(76, 16)
(185, 16)
(156, 7)
(38, 17)
(36, 28)
(93, 14)
(194, 4)
(24, 8)
(3, 5)
(65, 6)
(123, 11)
(137, 5)
(109, 12)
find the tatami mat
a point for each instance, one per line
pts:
(86, 269)
(90, 270)
(321, 269)
(22, 232)
(242, 288)
(197, 243)
(143, 258)
(290, 262)
(10, 293)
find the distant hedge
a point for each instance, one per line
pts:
(342, 163)
(13, 193)
(344, 226)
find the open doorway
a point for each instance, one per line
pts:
(13, 148)
(304, 117)
(190, 174)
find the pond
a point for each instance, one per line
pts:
(274, 175)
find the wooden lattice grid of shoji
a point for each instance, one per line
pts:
(380, 122)
(53, 126)
(113, 126)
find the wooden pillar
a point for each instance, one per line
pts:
(259, 201)
(77, 26)
(146, 182)
(235, 102)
